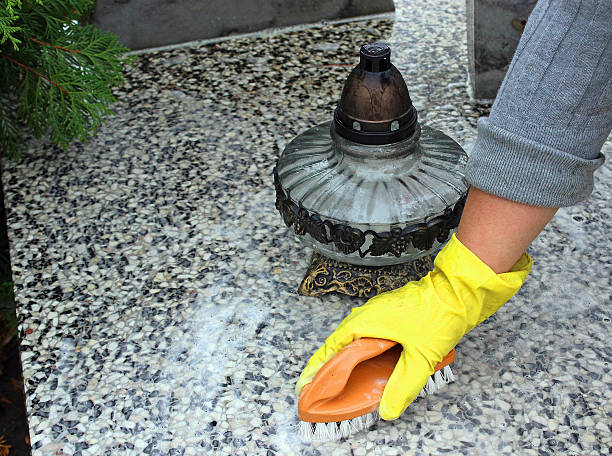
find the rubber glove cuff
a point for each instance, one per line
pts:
(476, 287)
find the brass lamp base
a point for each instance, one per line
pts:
(327, 276)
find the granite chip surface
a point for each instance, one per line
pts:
(156, 283)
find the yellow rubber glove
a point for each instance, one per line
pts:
(427, 318)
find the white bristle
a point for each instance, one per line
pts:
(305, 429)
(430, 387)
(438, 380)
(372, 418)
(320, 432)
(448, 374)
(333, 431)
(345, 428)
(337, 430)
(355, 424)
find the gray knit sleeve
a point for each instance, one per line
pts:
(553, 112)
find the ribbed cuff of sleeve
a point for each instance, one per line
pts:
(519, 169)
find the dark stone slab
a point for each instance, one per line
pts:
(494, 29)
(149, 23)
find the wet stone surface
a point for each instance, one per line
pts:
(155, 281)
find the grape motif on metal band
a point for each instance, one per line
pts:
(348, 239)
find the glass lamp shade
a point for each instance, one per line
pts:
(371, 204)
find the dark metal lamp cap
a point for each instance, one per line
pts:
(375, 107)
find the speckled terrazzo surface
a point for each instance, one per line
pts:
(155, 282)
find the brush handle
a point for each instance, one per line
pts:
(331, 379)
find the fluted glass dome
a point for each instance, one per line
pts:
(406, 186)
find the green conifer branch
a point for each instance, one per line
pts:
(56, 75)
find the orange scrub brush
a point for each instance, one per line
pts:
(344, 395)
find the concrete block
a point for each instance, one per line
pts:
(149, 23)
(494, 29)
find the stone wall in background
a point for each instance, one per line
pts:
(149, 23)
(494, 29)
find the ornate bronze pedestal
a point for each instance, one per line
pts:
(325, 275)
